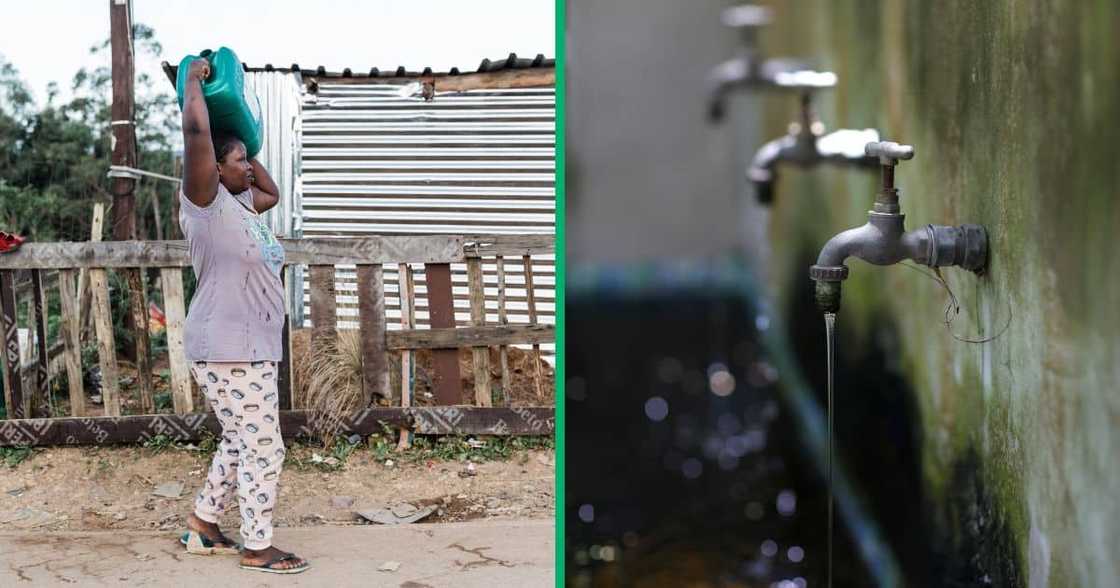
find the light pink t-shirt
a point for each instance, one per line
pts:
(237, 311)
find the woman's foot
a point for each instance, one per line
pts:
(210, 531)
(272, 559)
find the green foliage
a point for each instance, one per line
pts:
(480, 449)
(159, 347)
(159, 443)
(207, 442)
(340, 451)
(163, 401)
(13, 456)
(89, 353)
(383, 446)
(54, 159)
(452, 448)
(307, 456)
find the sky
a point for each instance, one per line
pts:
(49, 40)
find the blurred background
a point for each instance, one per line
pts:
(696, 390)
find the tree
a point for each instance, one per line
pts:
(54, 160)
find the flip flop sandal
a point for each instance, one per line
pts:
(267, 566)
(199, 544)
(9, 242)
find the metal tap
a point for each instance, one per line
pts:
(750, 70)
(884, 240)
(806, 146)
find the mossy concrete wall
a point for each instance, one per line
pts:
(1013, 108)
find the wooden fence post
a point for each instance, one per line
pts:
(106, 347)
(70, 330)
(13, 379)
(408, 321)
(284, 376)
(42, 405)
(97, 225)
(503, 320)
(531, 298)
(174, 309)
(441, 314)
(371, 325)
(480, 355)
(324, 314)
(138, 302)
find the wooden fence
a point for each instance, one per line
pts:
(29, 421)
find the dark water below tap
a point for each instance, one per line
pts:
(683, 465)
(686, 448)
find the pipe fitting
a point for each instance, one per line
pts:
(965, 246)
(827, 296)
(828, 280)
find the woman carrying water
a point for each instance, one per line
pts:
(233, 333)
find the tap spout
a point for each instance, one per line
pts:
(763, 171)
(749, 71)
(881, 241)
(724, 78)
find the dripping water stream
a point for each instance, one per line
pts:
(830, 334)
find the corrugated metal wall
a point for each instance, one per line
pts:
(474, 163)
(281, 96)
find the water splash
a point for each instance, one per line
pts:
(830, 334)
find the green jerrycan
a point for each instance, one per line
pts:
(232, 106)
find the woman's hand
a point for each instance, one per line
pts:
(199, 69)
(265, 191)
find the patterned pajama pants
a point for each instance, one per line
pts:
(251, 453)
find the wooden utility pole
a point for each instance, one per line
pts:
(123, 124)
(123, 127)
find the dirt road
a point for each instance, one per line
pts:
(488, 554)
(97, 516)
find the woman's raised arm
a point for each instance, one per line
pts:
(200, 177)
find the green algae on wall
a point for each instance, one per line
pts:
(1013, 108)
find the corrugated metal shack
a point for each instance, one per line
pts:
(414, 152)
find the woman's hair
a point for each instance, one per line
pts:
(224, 142)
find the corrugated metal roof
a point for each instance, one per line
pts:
(512, 61)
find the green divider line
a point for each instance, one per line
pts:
(560, 282)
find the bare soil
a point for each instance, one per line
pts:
(91, 488)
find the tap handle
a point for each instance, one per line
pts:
(746, 16)
(747, 19)
(889, 152)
